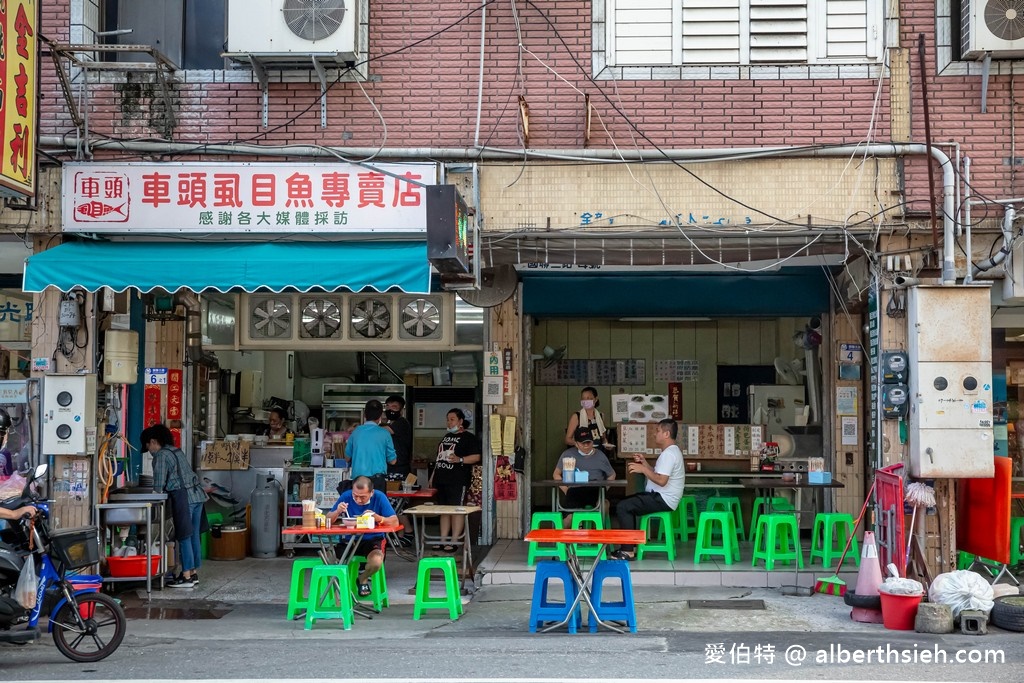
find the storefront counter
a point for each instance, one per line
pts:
(269, 456)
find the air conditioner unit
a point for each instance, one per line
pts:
(995, 26)
(352, 321)
(291, 30)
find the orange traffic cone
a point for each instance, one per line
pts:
(869, 578)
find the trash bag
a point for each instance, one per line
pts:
(898, 586)
(28, 584)
(12, 487)
(961, 590)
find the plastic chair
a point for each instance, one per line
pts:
(1016, 525)
(543, 610)
(327, 602)
(298, 595)
(623, 610)
(588, 520)
(726, 523)
(686, 522)
(728, 503)
(763, 504)
(777, 540)
(452, 599)
(828, 538)
(666, 541)
(378, 584)
(536, 550)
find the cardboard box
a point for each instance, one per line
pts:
(225, 455)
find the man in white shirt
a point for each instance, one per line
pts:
(665, 484)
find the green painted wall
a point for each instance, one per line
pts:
(740, 341)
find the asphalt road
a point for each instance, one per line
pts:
(206, 649)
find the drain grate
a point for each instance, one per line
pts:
(726, 604)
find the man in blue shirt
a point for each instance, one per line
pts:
(354, 502)
(370, 447)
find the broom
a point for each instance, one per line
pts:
(920, 495)
(833, 585)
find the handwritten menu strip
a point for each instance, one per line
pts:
(676, 370)
(581, 372)
(226, 455)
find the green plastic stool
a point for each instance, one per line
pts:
(729, 504)
(730, 548)
(763, 504)
(686, 521)
(298, 597)
(666, 541)
(777, 540)
(592, 519)
(537, 550)
(1016, 525)
(327, 602)
(452, 599)
(829, 535)
(378, 584)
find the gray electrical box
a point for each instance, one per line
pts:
(950, 350)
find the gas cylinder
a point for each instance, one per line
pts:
(266, 518)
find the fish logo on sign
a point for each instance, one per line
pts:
(97, 210)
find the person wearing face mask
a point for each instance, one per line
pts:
(590, 417)
(458, 451)
(590, 459)
(401, 435)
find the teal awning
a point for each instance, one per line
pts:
(225, 266)
(796, 292)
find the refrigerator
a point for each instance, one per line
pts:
(342, 404)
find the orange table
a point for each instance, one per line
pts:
(323, 536)
(570, 537)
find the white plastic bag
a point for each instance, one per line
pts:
(898, 586)
(961, 590)
(28, 584)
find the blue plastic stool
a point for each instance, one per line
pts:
(543, 610)
(623, 610)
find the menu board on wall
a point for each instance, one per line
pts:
(676, 370)
(603, 372)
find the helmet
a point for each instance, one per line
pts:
(5, 421)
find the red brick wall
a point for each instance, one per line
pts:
(428, 94)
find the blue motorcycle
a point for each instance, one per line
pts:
(87, 625)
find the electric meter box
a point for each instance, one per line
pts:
(120, 357)
(950, 348)
(69, 414)
(894, 401)
(894, 367)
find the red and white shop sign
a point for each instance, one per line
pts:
(175, 395)
(245, 197)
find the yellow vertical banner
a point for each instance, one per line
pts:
(19, 44)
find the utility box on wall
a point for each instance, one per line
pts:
(950, 348)
(69, 414)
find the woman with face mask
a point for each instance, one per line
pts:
(590, 417)
(458, 451)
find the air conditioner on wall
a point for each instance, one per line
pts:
(291, 30)
(367, 320)
(995, 26)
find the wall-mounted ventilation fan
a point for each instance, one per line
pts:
(270, 317)
(420, 318)
(371, 318)
(321, 318)
(1005, 18)
(314, 19)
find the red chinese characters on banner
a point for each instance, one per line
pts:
(175, 395)
(103, 197)
(151, 407)
(176, 437)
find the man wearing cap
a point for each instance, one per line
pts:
(586, 458)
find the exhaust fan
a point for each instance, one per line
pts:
(371, 318)
(270, 317)
(420, 317)
(321, 318)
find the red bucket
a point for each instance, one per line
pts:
(899, 611)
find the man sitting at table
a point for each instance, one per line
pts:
(664, 484)
(353, 503)
(584, 457)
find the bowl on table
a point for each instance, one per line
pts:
(349, 522)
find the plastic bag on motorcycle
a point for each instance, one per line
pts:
(28, 585)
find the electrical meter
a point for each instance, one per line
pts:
(894, 401)
(894, 367)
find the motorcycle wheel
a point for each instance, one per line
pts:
(104, 628)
